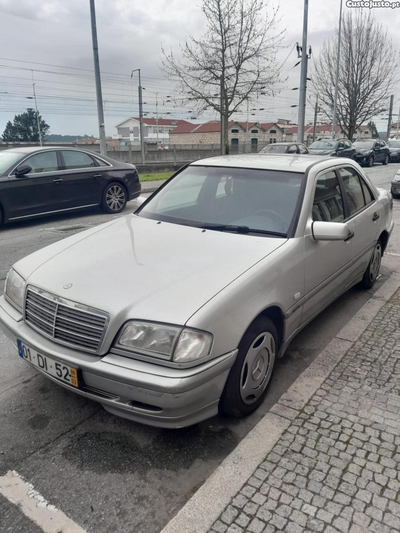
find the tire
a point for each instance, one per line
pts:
(386, 160)
(251, 373)
(371, 161)
(114, 198)
(374, 266)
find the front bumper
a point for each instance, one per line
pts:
(140, 391)
(395, 187)
(362, 159)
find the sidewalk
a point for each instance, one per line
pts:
(333, 465)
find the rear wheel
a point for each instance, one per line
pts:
(252, 371)
(386, 161)
(114, 198)
(374, 267)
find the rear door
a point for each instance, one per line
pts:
(325, 261)
(39, 191)
(362, 211)
(82, 178)
(379, 152)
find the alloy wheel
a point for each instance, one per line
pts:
(115, 197)
(257, 368)
(375, 263)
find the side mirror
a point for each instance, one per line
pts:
(22, 170)
(330, 231)
(140, 200)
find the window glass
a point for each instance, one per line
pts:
(303, 149)
(292, 149)
(202, 196)
(8, 159)
(354, 193)
(367, 193)
(272, 131)
(75, 160)
(328, 201)
(43, 162)
(347, 144)
(101, 162)
(235, 131)
(254, 131)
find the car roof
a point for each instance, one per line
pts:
(31, 149)
(285, 162)
(285, 143)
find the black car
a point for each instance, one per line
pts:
(394, 147)
(284, 148)
(338, 148)
(40, 181)
(370, 151)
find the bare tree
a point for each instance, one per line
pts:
(234, 60)
(368, 62)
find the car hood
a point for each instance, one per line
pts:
(142, 268)
(394, 149)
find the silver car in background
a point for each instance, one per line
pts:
(179, 311)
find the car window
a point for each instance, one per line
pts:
(101, 162)
(328, 201)
(292, 149)
(74, 160)
(302, 149)
(263, 200)
(42, 162)
(348, 144)
(341, 144)
(352, 186)
(8, 159)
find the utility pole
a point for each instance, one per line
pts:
(397, 129)
(157, 117)
(337, 73)
(390, 116)
(99, 97)
(37, 116)
(247, 125)
(222, 117)
(140, 93)
(303, 77)
(315, 119)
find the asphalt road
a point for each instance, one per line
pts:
(106, 473)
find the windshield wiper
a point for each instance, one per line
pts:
(241, 229)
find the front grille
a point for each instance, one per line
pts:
(64, 321)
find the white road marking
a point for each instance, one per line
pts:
(388, 253)
(34, 506)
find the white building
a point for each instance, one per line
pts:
(153, 130)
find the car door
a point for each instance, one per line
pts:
(38, 191)
(325, 261)
(379, 152)
(82, 178)
(362, 211)
(348, 149)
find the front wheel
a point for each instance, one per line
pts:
(373, 269)
(386, 161)
(252, 371)
(371, 161)
(114, 198)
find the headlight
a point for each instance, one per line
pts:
(167, 342)
(396, 177)
(14, 289)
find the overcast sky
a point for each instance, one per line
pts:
(46, 36)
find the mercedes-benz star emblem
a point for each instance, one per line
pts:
(67, 286)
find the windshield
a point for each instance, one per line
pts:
(365, 145)
(274, 149)
(244, 200)
(394, 144)
(8, 159)
(322, 145)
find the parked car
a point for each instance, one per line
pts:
(41, 181)
(339, 148)
(180, 310)
(394, 147)
(370, 151)
(395, 185)
(284, 148)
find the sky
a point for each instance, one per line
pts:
(48, 42)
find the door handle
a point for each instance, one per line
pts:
(375, 217)
(59, 180)
(349, 236)
(97, 175)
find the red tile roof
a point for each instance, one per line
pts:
(162, 121)
(213, 126)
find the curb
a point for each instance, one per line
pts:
(206, 505)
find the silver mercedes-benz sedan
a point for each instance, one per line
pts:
(178, 311)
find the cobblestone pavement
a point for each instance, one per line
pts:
(336, 469)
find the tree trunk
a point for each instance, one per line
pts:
(226, 138)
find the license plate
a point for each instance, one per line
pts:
(58, 370)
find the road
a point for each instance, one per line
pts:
(107, 473)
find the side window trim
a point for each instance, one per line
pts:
(343, 191)
(320, 175)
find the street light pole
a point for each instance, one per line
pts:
(303, 77)
(389, 127)
(315, 119)
(37, 116)
(337, 73)
(157, 117)
(140, 92)
(397, 129)
(99, 97)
